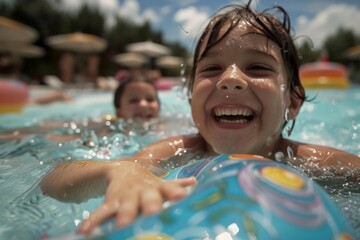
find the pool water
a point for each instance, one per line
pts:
(332, 119)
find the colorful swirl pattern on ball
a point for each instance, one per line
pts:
(242, 197)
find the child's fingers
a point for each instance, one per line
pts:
(185, 182)
(176, 189)
(127, 205)
(102, 213)
(128, 209)
(151, 201)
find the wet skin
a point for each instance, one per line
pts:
(239, 94)
(139, 102)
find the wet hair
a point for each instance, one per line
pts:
(119, 92)
(275, 28)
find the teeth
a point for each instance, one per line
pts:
(232, 112)
(233, 121)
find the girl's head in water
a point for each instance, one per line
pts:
(136, 98)
(244, 85)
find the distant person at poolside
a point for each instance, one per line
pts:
(51, 97)
(244, 90)
(10, 70)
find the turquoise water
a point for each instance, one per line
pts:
(333, 119)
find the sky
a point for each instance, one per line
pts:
(182, 20)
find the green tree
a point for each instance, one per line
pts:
(89, 20)
(48, 19)
(307, 53)
(337, 44)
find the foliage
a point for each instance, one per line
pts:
(46, 17)
(337, 44)
(307, 52)
(334, 47)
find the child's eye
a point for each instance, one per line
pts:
(150, 99)
(134, 100)
(210, 68)
(259, 67)
(259, 70)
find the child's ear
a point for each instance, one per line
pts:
(295, 103)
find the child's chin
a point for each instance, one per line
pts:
(226, 150)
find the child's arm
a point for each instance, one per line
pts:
(80, 180)
(339, 162)
(127, 183)
(51, 97)
(132, 188)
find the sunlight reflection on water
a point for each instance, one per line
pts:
(333, 119)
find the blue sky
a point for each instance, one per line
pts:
(181, 20)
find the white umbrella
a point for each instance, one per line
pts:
(21, 49)
(169, 62)
(13, 31)
(130, 59)
(148, 48)
(77, 42)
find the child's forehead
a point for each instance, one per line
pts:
(243, 36)
(134, 88)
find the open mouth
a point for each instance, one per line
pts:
(233, 115)
(144, 115)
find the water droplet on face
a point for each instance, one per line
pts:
(282, 87)
(234, 71)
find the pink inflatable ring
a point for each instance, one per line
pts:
(13, 96)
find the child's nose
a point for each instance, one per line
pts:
(143, 102)
(232, 79)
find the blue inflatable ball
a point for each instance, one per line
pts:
(242, 197)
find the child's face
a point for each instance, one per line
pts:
(139, 101)
(240, 93)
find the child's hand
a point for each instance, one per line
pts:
(131, 188)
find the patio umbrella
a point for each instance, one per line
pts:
(13, 31)
(21, 49)
(77, 42)
(148, 48)
(131, 59)
(169, 62)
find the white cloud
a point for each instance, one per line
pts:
(69, 5)
(328, 21)
(103, 5)
(191, 20)
(151, 16)
(130, 10)
(106, 6)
